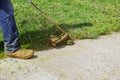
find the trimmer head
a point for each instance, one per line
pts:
(60, 40)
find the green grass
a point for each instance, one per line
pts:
(82, 19)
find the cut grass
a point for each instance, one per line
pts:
(82, 19)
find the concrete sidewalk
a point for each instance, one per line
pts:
(90, 59)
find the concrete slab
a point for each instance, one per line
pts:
(90, 59)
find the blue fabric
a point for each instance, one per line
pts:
(8, 26)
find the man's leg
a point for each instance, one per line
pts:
(10, 32)
(8, 26)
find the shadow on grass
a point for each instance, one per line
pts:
(73, 26)
(1, 49)
(1, 46)
(39, 39)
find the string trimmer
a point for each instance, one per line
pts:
(64, 38)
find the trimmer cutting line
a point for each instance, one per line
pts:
(64, 38)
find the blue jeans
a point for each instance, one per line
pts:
(8, 26)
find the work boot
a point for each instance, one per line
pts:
(22, 53)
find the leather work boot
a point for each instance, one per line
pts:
(22, 53)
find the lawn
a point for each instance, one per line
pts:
(82, 19)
